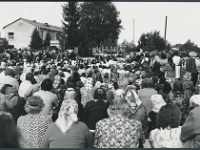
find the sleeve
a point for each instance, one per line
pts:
(187, 130)
(45, 140)
(89, 137)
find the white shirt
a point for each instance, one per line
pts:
(176, 60)
(24, 86)
(9, 80)
(49, 99)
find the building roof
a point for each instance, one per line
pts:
(40, 25)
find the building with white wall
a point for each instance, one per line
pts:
(19, 32)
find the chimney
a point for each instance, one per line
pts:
(46, 24)
(34, 21)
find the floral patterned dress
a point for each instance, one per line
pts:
(117, 132)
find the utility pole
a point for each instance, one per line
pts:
(165, 27)
(133, 31)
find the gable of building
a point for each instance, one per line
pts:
(38, 24)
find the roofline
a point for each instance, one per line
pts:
(27, 22)
(11, 23)
(51, 30)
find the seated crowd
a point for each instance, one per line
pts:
(101, 104)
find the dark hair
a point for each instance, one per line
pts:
(29, 76)
(9, 72)
(163, 55)
(168, 116)
(3, 89)
(9, 134)
(147, 83)
(167, 87)
(83, 74)
(46, 85)
(116, 86)
(99, 94)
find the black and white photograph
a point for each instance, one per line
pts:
(99, 74)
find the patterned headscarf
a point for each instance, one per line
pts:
(68, 107)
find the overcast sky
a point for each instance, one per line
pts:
(183, 18)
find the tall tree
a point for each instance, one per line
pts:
(3, 43)
(152, 41)
(71, 17)
(99, 23)
(36, 41)
(47, 40)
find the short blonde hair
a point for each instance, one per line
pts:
(117, 105)
(34, 104)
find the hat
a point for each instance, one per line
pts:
(157, 102)
(192, 54)
(195, 101)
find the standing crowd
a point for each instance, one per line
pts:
(50, 101)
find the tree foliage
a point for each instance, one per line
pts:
(99, 24)
(36, 41)
(152, 41)
(47, 40)
(189, 46)
(128, 46)
(3, 43)
(71, 17)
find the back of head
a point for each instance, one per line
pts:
(29, 76)
(99, 94)
(168, 116)
(34, 105)
(147, 83)
(9, 72)
(118, 106)
(46, 84)
(9, 135)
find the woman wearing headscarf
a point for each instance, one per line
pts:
(168, 129)
(67, 131)
(96, 109)
(117, 131)
(33, 125)
(136, 111)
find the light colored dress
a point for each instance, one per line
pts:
(165, 138)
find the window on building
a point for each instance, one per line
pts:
(20, 24)
(52, 36)
(10, 35)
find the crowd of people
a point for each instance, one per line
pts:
(48, 100)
